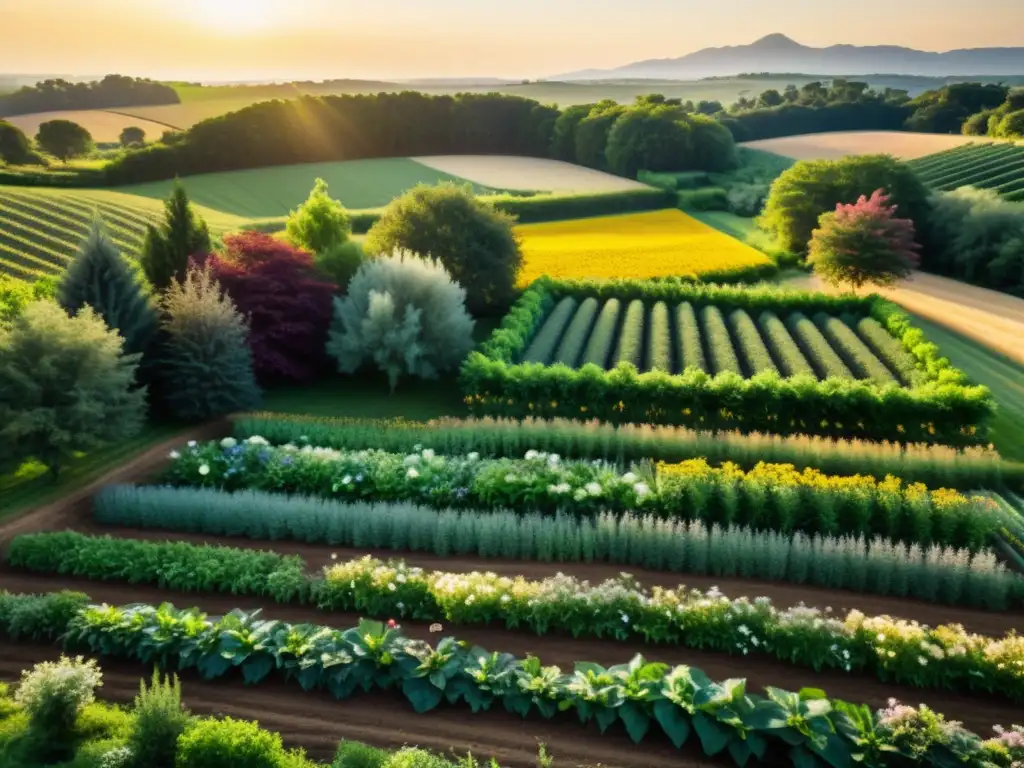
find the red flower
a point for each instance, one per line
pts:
(392, 624)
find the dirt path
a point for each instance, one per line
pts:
(977, 712)
(783, 595)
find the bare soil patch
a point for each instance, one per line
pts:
(528, 173)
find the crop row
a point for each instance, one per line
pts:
(618, 608)
(991, 166)
(643, 697)
(772, 497)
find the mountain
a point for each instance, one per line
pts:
(778, 53)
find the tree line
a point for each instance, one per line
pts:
(111, 91)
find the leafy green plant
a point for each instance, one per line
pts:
(229, 743)
(159, 721)
(320, 224)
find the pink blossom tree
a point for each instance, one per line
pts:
(863, 243)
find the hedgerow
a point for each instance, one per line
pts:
(544, 343)
(602, 338)
(858, 357)
(720, 350)
(564, 604)
(659, 339)
(750, 343)
(631, 336)
(571, 348)
(791, 360)
(641, 540)
(934, 465)
(887, 348)
(493, 385)
(817, 348)
(690, 349)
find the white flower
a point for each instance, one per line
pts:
(593, 489)
(922, 661)
(510, 478)
(428, 453)
(553, 459)
(257, 440)
(391, 586)
(505, 598)
(204, 469)
(471, 599)
(400, 578)
(411, 459)
(641, 489)
(334, 555)
(625, 619)
(474, 456)
(744, 630)
(881, 637)
(579, 494)
(412, 474)
(174, 455)
(191, 443)
(228, 442)
(531, 455)
(629, 477)
(346, 479)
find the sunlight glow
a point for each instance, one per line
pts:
(238, 17)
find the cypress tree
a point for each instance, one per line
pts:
(100, 277)
(205, 363)
(167, 249)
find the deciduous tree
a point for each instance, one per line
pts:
(14, 144)
(64, 139)
(132, 136)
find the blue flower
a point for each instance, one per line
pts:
(359, 477)
(264, 455)
(287, 461)
(461, 493)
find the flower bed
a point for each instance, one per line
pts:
(770, 497)
(934, 574)
(642, 696)
(943, 408)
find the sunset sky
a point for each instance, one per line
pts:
(317, 39)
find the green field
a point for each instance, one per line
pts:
(41, 229)
(265, 192)
(995, 166)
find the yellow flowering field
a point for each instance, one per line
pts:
(634, 245)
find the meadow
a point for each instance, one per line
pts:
(995, 166)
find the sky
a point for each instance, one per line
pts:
(323, 39)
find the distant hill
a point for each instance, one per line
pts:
(778, 53)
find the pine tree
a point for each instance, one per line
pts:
(205, 363)
(65, 387)
(100, 277)
(167, 250)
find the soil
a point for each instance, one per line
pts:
(977, 712)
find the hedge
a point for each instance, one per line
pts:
(945, 409)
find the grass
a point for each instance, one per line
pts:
(41, 228)
(636, 245)
(1001, 375)
(31, 487)
(266, 192)
(996, 166)
(369, 397)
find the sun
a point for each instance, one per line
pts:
(236, 16)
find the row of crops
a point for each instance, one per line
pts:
(995, 166)
(672, 338)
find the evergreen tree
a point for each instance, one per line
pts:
(205, 364)
(167, 250)
(100, 277)
(65, 387)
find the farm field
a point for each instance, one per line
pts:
(995, 166)
(528, 174)
(638, 245)
(832, 146)
(41, 228)
(104, 125)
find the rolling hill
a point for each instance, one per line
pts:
(998, 166)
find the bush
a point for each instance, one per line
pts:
(64, 139)
(40, 618)
(167, 250)
(354, 754)
(65, 387)
(159, 719)
(132, 136)
(652, 139)
(229, 743)
(704, 199)
(746, 199)
(404, 313)
(99, 276)
(339, 264)
(473, 241)
(1011, 125)
(15, 295)
(808, 189)
(14, 145)
(206, 367)
(555, 207)
(320, 224)
(416, 758)
(288, 310)
(54, 694)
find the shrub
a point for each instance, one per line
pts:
(288, 310)
(159, 719)
(543, 345)
(65, 387)
(690, 347)
(354, 754)
(887, 348)
(63, 139)
(720, 348)
(38, 617)
(599, 346)
(131, 136)
(472, 241)
(14, 145)
(54, 694)
(704, 199)
(320, 224)
(404, 313)
(791, 360)
(16, 294)
(229, 743)
(863, 243)
(416, 758)
(167, 250)
(1011, 125)
(652, 139)
(630, 347)
(102, 278)
(339, 264)
(206, 367)
(750, 343)
(746, 199)
(571, 348)
(659, 339)
(808, 189)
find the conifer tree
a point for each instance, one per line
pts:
(167, 249)
(100, 277)
(206, 365)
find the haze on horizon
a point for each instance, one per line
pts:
(402, 39)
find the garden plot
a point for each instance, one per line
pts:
(995, 166)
